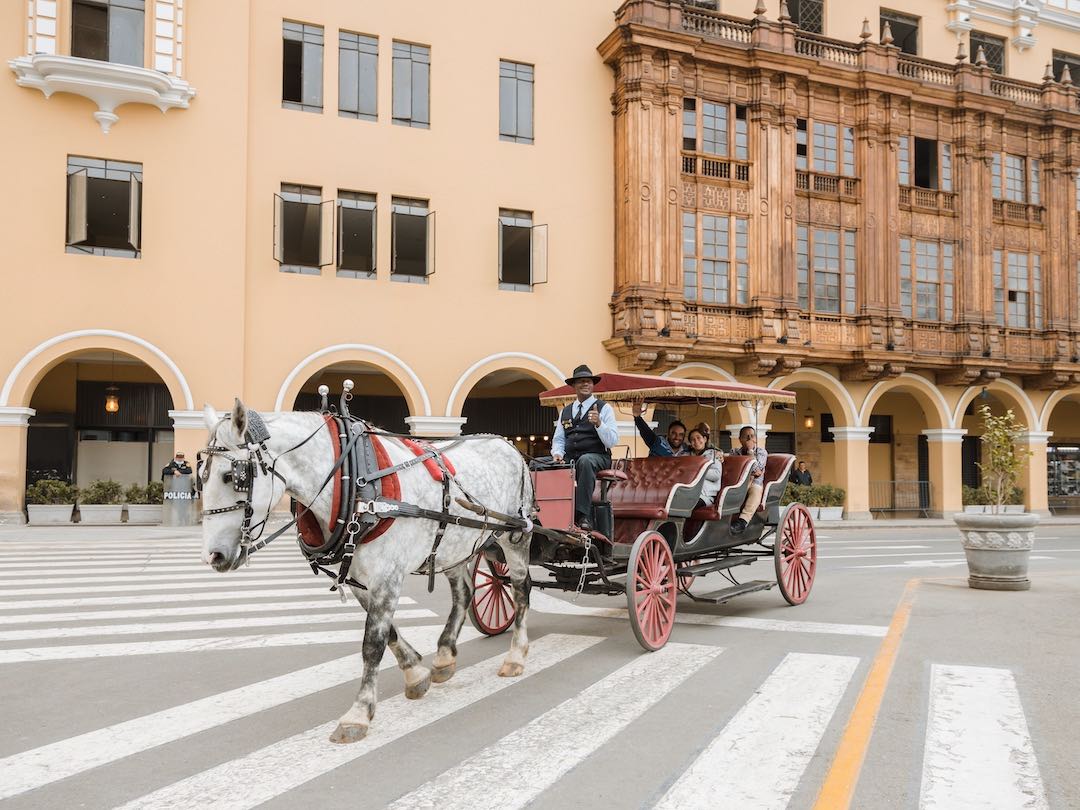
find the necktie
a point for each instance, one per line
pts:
(577, 412)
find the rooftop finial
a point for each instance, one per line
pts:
(961, 51)
(980, 57)
(1048, 74)
(1066, 75)
(886, 34)
(760, 9)
(865, 33)
(785, 15)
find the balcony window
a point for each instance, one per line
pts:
(412, 230)
(412, 85)
(742, 135)
(825, 269)
(109, 30)
(830, 149)
(719, 129)
(522, 251)
(928, 294)
(802, 148)
(356, 217)
(825, 148)
(716, 267)
(849, 152)
(1018, 289)
(993, 48)
(1061, 59)
(515, 102)
(302, 67)
(358, 62)
(1033, 181)
(946, 167)
(929, 163)
(905, 30)
(104, 207)
(714, 128)
(809, 15)
(303, 229)
(689, 127)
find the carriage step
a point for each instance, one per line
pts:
(716, 565)
(723, 595)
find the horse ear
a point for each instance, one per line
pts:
(210, 416)
(239, 417)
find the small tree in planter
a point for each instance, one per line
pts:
(102, 503)
(998, 544)
(144, 503)
(50, 501)
(830, 502)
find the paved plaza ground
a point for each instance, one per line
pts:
(132, 675)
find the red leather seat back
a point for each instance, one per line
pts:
(777, 469)
(734, 476)
(733, 469)
(658, 485)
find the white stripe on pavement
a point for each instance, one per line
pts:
(922, 554)
(217, 583)
(152, 563)
(228, 623)
(32, 769)
(757, 760)
(196, 575)
(544, 603)
(327, 603)
(933, 563)
(518, 768)
(157, 599)
(978, 751)
(271, 771)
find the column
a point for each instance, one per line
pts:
(13, 425)
(944, 446)
(852, 460)
(435, 425)
(1033, 476)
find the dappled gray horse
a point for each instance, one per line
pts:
(488, 468)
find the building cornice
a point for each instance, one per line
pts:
(15, 417)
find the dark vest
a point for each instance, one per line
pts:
(581, 437)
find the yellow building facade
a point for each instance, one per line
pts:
(251, 199)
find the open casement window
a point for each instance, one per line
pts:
(76, 209)
(302, 67)
(412, 230)
(356, 217)
(303, 230)
(104, 207)
(135, 214)
(522, 251)
(109, 30)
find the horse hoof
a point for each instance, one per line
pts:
(417, 690)
(511, 669)
(443, 674)
(348, 733)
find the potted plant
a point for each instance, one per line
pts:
(998, 543)
(101, 503)
(974, 500)
(50, 501)
(831, 500)
(144, 503)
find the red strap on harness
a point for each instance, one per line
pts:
(391, 488)
(308, 526)
(419, 448)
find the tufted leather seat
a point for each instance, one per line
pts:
(735, 480)
(657, 487)
(777, 470)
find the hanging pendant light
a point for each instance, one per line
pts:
(808, 419)
(112, 392)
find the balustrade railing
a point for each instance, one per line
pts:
(928, 198)
(826, 183)
(719, 168)
(829, 50)
(925, 70)
(1017, 211)
(711, 24)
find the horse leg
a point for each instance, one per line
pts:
(460, 594)
(417, 677)
(517, 560)
(353, 725)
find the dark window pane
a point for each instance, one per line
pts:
(300, 234)
(993, 48)
(107, 208)
(357, 244)
(926, 163)
(516, 253)
(905, 30)
(291, 71)
(89, 31)
(126, 31)
(808, 15)
(1061, 59)
(410, 245)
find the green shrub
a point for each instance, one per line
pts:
(972, 496)
(828, 495)
(794, 493)
(102, 492)
(155, 492)
(49, 491)
(135, 494)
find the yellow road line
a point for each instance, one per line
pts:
(839, 787)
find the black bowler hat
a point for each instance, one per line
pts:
(583, 371)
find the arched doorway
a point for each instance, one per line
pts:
(99, 415)
(505, 403)
(999, 399)
(1063, 456)
(376, 397)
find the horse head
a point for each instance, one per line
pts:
(237, 492)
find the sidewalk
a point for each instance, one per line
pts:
(926, 523)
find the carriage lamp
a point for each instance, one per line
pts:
(808, 420)
(112, 399)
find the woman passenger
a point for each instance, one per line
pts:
(699, 446)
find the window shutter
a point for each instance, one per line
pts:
(501, 254)
(429, 246)
(539, 254)
(135, 214)
(326, 233)
(337, 235)
(279, 246)
(76, 224)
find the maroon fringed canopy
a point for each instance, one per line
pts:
(674, 390)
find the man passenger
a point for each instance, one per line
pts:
(673, 445)
(748, 446)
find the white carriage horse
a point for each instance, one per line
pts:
(300, 459)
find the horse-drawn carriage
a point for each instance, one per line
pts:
(652, 537)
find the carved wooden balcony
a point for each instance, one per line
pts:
(821, 183)
(944, 202)
(715, 167)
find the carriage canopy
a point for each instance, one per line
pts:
(673, 390)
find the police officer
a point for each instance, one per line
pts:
(585, 434)
(178, 466)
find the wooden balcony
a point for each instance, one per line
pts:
(820, 183)
(1018, 212)
(715, 167)
(944, 202)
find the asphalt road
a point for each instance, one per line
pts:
(130, 675)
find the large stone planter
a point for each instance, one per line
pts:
(144, 513)
(830, 513)
(49, 514)
(997, 547)
(100, 514)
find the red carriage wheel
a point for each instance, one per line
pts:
(491, 609)
(795, 554)
(650, 590)
(686, 581)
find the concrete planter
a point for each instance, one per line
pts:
(49, 514)
(814, 511)
(830, 513)
(144, 513)
(997, 547)
(974, 510)
(100, 514)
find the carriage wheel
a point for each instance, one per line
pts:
(650, 590)
(491, 609)
(795, 554)
(685, 582)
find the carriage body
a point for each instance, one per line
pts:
(652, 538)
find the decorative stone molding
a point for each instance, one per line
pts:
(190, 420)
(41, 23)
(945, 435)
(435, 425)
(15, 417)
(107, 84)
(1035, 437)
(169, 36)
(851, 434)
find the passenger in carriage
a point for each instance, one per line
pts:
(748, 446)
(699, 446)
(673, 445)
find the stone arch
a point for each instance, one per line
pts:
(39, 361)
(1010, 391)
(923, 391)
(537, 367)
(688, 369)
(1052, 402)
(392, 366)
(830, 389)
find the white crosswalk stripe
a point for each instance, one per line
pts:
(195, 575)
(155, 565)
(217, 583)
(189, 595)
